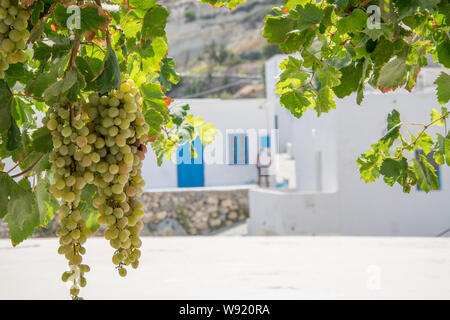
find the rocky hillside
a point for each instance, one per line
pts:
(217, 48)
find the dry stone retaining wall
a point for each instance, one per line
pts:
(174, 212)
(193, 212)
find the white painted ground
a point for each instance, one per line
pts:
(240, 268)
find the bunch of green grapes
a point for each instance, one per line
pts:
(71, 161)
(119, 125)
(13, 34)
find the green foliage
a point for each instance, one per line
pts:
(24, 209)
(123, 38)
(397, 167)
(443, 88)
(338, 54)
(220, 3)
(190, 15)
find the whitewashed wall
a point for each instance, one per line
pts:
(226, 115)
(346, 204)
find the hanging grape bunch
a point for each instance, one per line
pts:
(94, 131)
(71, 166)
(13, 34)
(119, 124)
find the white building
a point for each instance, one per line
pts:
(243, 128)
(330, 197)
(316, 158)
(325, 194)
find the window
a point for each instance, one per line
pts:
(265, 142)
(238, 149)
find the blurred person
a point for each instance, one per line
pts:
(263, 163)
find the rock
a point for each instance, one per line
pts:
(215, 222)
(212, 200)
(232, 215)
(202, 226)
(161, 215)
(226, 203)
(169, 227)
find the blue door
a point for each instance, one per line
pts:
(190, 170)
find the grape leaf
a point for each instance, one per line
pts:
(6, 106)
(168, 75)
(61, 86)
(296, 102)
(277, 29)
(109, 79)
(325, 101)
(22, 213)
(357, 21)
(406, 8)
(425, 142)
(443, 52)
(330, 77)
(391, 169)
(383, 52)
(154, 23)
(91, 18)
(154, 107)
(420, 171)
(46, 202)
(42, 140)
(443, 87)
(351, 76)
(393, 75)
(13, 137)
(292, 75)
(22, 111)
(393, 128)
(308, 16)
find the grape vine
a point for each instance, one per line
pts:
(342, 46)
(83, 92)
(83, 89)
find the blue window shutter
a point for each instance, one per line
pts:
(265, 142)
(238, 149)
(246, 149)
(231, 149)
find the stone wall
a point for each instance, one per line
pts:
(173, 212)
(193, 212)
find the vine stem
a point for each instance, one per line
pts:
(425, 128)
(30, 168)
(24, 95)
(73, 56)
(21, 161)
(93, 44)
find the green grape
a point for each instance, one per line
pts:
(83, 282)
(122, 272)
(13, 11)
(13, 34)
(70, 179)
(116, 123)
(8, 45)
(74, 291)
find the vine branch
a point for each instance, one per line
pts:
(33, 166)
